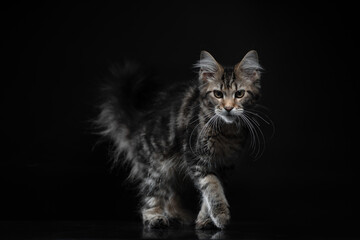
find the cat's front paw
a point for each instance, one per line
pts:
(204, 223)
(159, 221)
(221, 216)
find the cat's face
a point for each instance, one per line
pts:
(229, 91)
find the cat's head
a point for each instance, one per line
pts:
(229, 90)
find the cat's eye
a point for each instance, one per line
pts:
(218, 94)
(240, 93)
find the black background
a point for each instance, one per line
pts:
(54, 57)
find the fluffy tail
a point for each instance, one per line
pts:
(121, 109)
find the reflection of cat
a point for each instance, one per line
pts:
(196, 132)
(210, 234)
(181, 233)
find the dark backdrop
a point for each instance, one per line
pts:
(54, 56)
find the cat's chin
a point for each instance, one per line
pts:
(228, 119)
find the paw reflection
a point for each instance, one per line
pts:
(181, 233)
(210, 234)
(156, 233)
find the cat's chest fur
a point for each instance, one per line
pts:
(225, 144)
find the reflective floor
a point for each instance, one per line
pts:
(67, 230)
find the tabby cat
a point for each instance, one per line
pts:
(194, 132)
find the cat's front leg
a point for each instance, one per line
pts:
(203, 220)
(215, 202)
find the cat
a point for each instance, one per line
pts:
(196, 131)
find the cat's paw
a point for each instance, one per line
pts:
(205, 223)
(159, 221)
(221, 217)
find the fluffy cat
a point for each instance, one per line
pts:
(195, 132)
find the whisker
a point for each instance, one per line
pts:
(197, 117)
(261, 141)
(252, 141)
(252, 119)
(267, 120)
(204, 129)
(255, 142)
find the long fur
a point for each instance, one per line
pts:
(169, 135)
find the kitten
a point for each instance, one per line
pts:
(197, 131)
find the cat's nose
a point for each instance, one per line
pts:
(228, 108)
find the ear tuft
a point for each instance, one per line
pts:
(207, 65)
(249, 66)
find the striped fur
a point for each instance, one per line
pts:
(184, 131)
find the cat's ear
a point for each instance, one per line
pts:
(209, 68)
(249, 66)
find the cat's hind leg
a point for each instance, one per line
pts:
(155, 191)
(153, 213)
